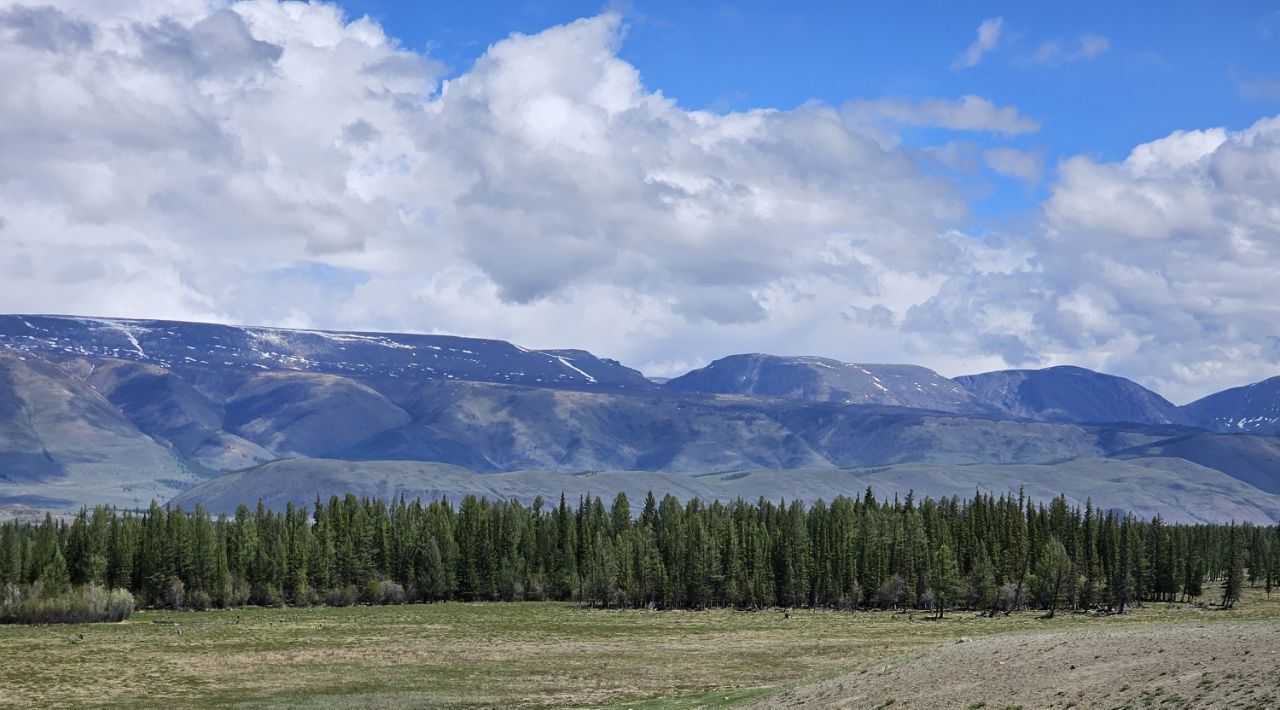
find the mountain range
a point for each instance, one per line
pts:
(120, 412)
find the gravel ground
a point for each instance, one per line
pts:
(1213, 665)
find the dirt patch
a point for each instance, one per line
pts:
(1223, 665)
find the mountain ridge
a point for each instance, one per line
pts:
(818, 379)
(1072, 393)
(194, 401)
(1252, 408)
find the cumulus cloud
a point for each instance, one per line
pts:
(1089, 45)
(987, 39)
(1160, 267)
(235, 162)
(283, 164)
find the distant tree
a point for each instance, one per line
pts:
(929, 553)
(1193, 584)
(944, 578)
(1233, 581)
(1053, 569)
(982, 582)
(1271, 559)
(54, 579)
(619, 514)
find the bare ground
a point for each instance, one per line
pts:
(1217, 665)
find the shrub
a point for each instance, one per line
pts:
(306, 597)
(83, 605)
(928, 600)
(175, 593)
(199, 600)
(891, 592)
(267, 595)
(119, 605)
(536, 589)
(1007, 597)
(390, 592)
(342, 596)
(10, 595)
(239, 595)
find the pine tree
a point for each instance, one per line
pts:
(1233, 582)
(982, 582)
(54, 579)
(1053, 568)
(675, 555)
(944, 578)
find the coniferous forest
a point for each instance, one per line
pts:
(988, 554)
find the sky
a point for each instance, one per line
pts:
(965, 186)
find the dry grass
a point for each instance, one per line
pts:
(1167, 665)
(489, 655)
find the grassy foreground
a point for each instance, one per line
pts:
(486, 655)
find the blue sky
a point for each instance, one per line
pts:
(1183, 64)
(964, 186)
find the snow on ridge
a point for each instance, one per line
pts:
(355, 338)
(269, 336)
(120, 326)
(276, 335)
(565, 361)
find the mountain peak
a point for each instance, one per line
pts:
(1253, 408)
(1072, 393)
(820, 379)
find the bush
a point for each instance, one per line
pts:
(1007, 597)
(88, 604)
(267, 595)
(928, 600)
(306, 597)
(199, 600)
(536, 589)
(891, 592)
(342, 596)
(390, 592)
(175, 593)
(235, 592)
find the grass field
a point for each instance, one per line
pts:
(491, 655)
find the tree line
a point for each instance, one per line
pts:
(985, 553)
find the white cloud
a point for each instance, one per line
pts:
(1027, 166)
(272, 163)
(1089, 45)
(968, 113)
(279, 163)
(988, 37)
(1161, 267)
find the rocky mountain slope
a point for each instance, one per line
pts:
(62, 443)
(1253, 408)
(1072, 394)
(816, 379)
(191, 349)
(98, 410)
(1140, 485)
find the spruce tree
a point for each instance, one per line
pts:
(1053, 568)
(944, 578)
(982, 582)
(1233, 581)
(54, 579)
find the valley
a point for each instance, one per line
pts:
(544, 654)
